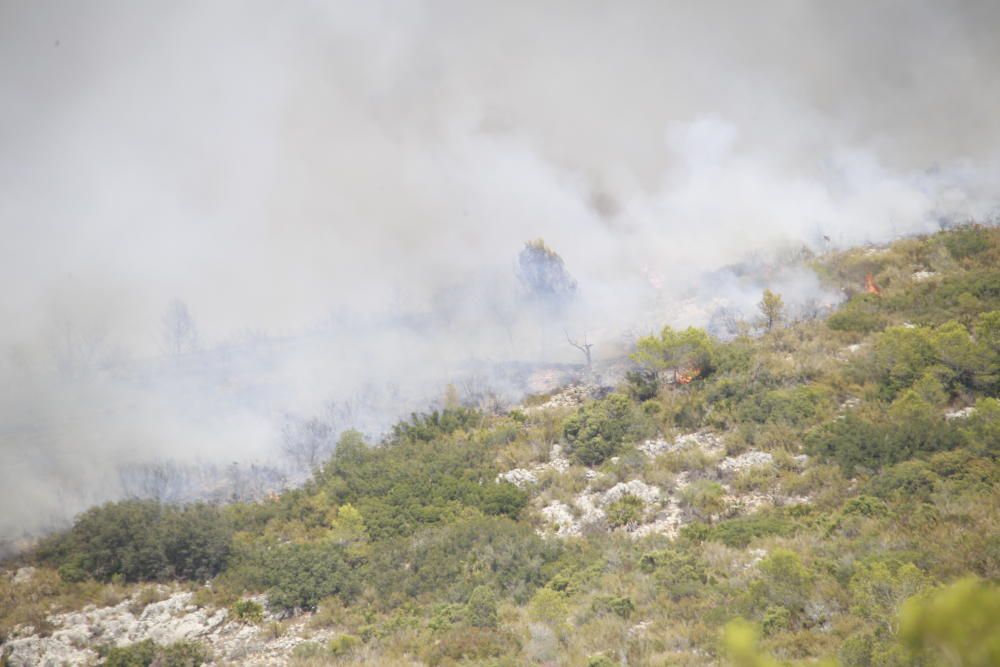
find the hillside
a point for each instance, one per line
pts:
(818, 489)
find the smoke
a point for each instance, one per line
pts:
(335, 195)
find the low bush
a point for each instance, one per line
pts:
(147, 653)
(142, 540)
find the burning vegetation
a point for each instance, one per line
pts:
(870, 286)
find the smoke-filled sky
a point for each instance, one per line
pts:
(314, 174)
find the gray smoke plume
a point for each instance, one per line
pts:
(219, 216)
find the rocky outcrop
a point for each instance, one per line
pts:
(732, 465)
(78, 634)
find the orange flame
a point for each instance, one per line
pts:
(870, 285)
(686, 376)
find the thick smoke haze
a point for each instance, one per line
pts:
(337, 194)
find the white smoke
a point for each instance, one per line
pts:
(337, 192)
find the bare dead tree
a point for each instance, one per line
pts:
(178, 329)
(583, 347)
(307, 442)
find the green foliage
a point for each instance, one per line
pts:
(859, 315)
(679, 572)
(957, 625)
(703, 498)
(689, 350)
(740, 531)
(796, 406)
(865, 506)
(642, 385)
(900, 356)
(966, 242)
(450, 561)
(982, 429)
(785, 582)
(431, 426)
(771, 308)
(343, 645)
(611, 604)
(416, 551)
(879, 589)
(147, 653)
(627, 510)
(549, 607)
(909, 427)
(412, 481)
(196, 541)
(298, 576)
(140, 540)
(599, 429)
(600, 661)
(776, 619)
(740, 642)
(248, 611)
(481, 609)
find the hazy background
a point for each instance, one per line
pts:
(337, 193)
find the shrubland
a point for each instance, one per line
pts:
(884, 418)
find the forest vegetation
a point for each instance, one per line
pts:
(883, 419)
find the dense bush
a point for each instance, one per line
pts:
(792, 405)
(481, 609)
(427, 427)
(143, 540)
(412, 481)
(860, 315)
(599, 429)
(690, 351)
(679, 571)
(966, 242)
(146, 654)
(298, 576)
(625, 511)
(740, 531)
(450, 561)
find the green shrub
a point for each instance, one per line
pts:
(966, 242)
(549, 607)
(481, 609)
(598, 430)
(431, 426)
(343, 645)
(147, 653)
(411, 481)
(298, 576)
(785, 582)
(627, 510)
(865, 506)
(704, 498)
(740, 531)
(610, 604)
(957, 625)
(140, 540)
(859, 315)
(680, 572)
(248, 611)
(451, 560)
(689, 350)
(309, 651)
(776, 619)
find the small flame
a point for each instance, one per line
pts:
(686, 376)
(870, 285)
